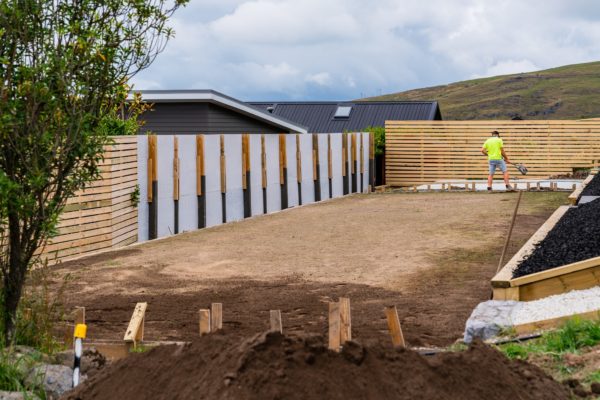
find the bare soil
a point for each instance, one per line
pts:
(431, 254)
(273, 366)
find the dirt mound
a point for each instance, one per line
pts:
(575, 237)
(273, 366)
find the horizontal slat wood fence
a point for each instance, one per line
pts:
(420, 152)
(102, 216)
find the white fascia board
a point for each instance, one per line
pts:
(222, 100)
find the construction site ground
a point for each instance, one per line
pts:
(430, 254)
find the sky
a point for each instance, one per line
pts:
(268, 50)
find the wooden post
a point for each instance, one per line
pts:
(246, 176)
(204, 323)
(200, 181)
(362, 163)
(394, 326)
(345, 320)
(283, 186)
(263, 165)
(78, 315)
(135, 330)
(316, 167)
(345, 172)
(176, 183)
(334, 326)
(216, 316)
(275, 321)
(152, 187)
(223, 180)
(299, 169)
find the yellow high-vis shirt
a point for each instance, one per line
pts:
(494, 147)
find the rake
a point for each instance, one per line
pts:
(522, 168)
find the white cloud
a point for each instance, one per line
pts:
(342, 49)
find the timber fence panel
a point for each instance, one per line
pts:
(420, 152)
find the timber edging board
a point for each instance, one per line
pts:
(576, 276)
(574, 197)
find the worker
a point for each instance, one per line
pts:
(493, 148)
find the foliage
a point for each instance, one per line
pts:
(39, 311)
(379, 136)
(123, 120)
(12, 374)
(135, 196)
(65, 65)
(574, 335)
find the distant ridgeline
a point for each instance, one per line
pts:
(569, 92)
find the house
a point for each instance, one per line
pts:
(208, 112)
(335, 117)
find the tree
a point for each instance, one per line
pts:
(65, 66)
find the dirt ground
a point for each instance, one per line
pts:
(431, 254)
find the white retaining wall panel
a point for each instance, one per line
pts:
(308, 187)
(292, 175)
(212, 168)
(142, 164)
(256, 175)
(233, 167)
(166, 209)
(273, 186)
(188, 199)
(336, 163)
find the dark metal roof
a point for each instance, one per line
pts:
(212, 96)
(319, 116)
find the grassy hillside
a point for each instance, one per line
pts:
(569, 92)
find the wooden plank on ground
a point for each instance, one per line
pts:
(275, 321)
(216, 317)
(204, 321)
(394, 326)
(135, 330)
(334, 326)
(345, 320)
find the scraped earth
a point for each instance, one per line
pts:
(431, 254)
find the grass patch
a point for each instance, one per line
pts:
(13, 370)
(574, 335)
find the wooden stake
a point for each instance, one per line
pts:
(510, 229)
(275, 319)
(79, 315)
(204, 324)
(199, 163)
(345, 320)
(135, 330)
(216, 316)
(334, 326)
(394, 326)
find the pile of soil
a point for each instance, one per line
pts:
(575, 237)
(273, 366)
(592, 188)
(581, 174)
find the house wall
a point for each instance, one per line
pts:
(199, 118)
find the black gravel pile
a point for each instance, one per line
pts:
(575, 237)
(592, 188)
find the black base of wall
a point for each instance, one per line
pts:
(247, 198)
(153, 213)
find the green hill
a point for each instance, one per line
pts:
(569, 92)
